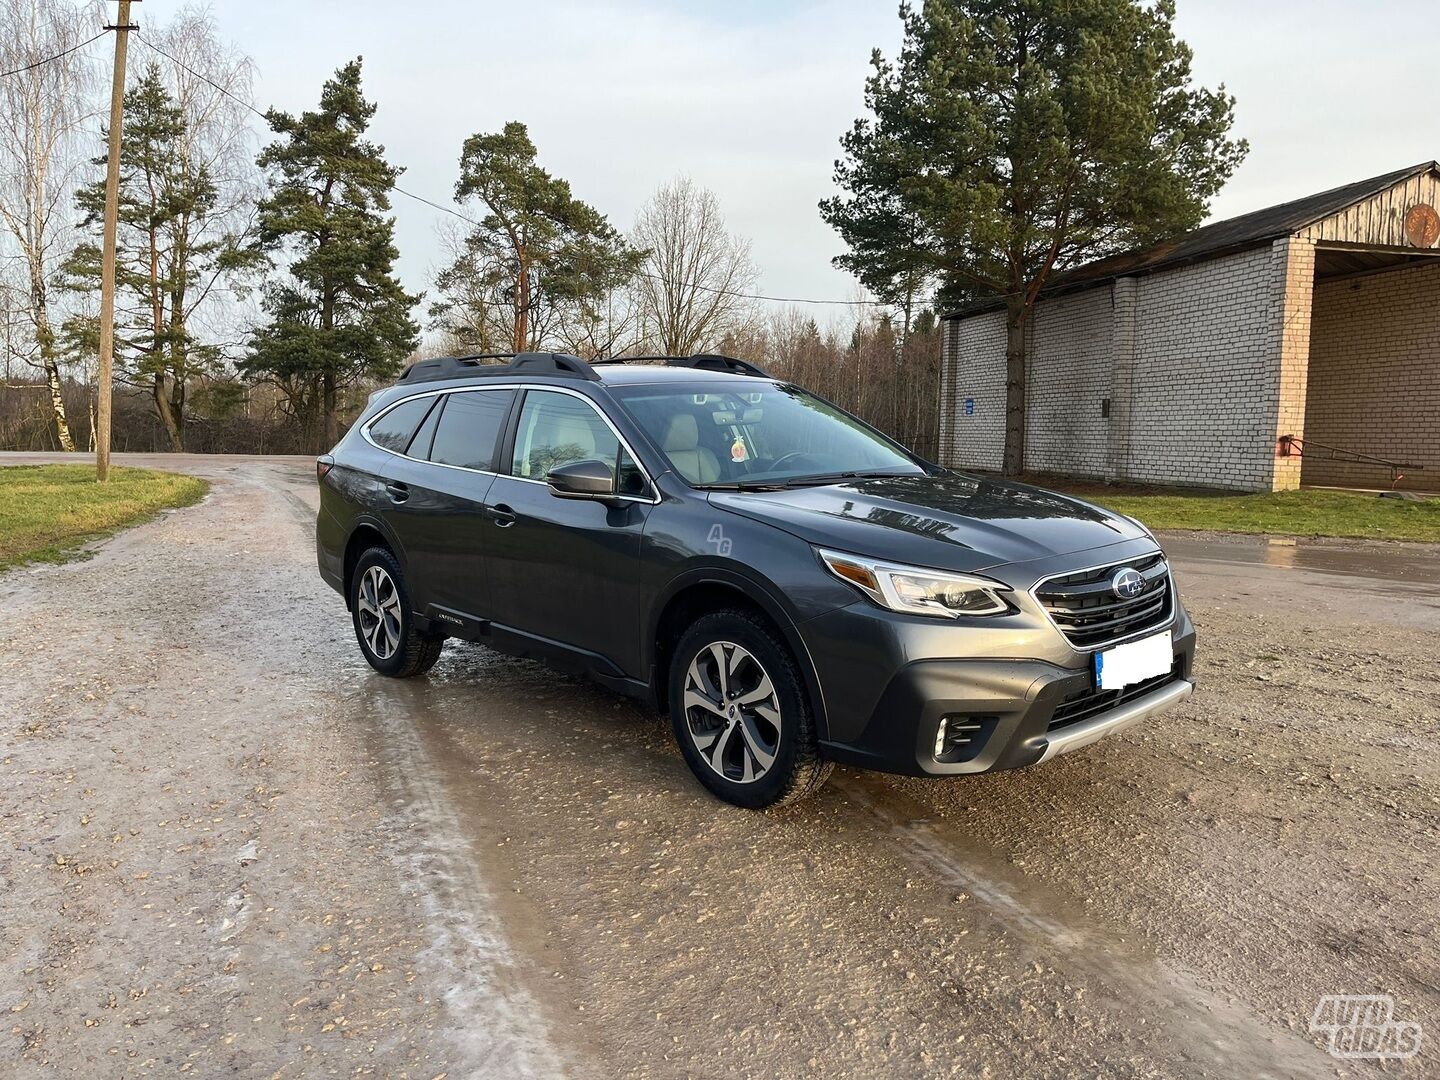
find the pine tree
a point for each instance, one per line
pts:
(539, 256)
(341, 315)
(1015, 138)
(173, 246)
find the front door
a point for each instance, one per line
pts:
(565, 570)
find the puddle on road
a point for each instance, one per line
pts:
(1211, 1029)
(1396, 569)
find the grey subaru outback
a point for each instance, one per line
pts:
(789, 585)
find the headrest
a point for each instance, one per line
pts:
(575, 432)
(682, 433)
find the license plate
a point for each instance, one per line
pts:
(1135, 661)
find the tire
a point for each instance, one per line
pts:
(767, 750)
(390, 643)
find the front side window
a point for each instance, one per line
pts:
(556, 429)
(393, 429)
(469, 428)
(762, 433)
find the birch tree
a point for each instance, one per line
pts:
(44, 108)
(186, 210)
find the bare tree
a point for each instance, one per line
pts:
(605, 325)
(469, 313)
(43, 108)
(695, 272)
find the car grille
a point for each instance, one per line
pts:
(1092, 702)
(1090, 615)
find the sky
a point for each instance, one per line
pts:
(750, 98)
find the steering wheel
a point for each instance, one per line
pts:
(794, 455)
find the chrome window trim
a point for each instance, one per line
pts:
(1169, 585)
(649, 481)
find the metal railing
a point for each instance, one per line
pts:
(1294, 446)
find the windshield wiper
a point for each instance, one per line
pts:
(781, 484)
(745, 485)
(835, 478)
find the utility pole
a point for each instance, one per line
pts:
(104, 378)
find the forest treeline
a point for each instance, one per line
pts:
(258, 303)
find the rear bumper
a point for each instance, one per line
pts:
(1010, 704)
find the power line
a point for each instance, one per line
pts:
(468, 219)
(57, 56)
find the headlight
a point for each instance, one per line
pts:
(917, 591)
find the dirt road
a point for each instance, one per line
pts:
(231, 850)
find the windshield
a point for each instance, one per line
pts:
(726, 435)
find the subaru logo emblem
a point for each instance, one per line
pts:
(1127, 583)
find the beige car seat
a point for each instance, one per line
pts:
(682, 446)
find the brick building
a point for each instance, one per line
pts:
(1190, 362)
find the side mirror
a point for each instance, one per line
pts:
(590, 479)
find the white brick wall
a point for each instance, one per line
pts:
(1067, 378)
(1191, 358)
(1374, 380)
(1206, 360)
(973, 370)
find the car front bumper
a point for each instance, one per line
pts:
(887, 683)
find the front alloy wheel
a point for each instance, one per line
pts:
(732, 712)
(741, 712)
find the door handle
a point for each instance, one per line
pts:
(397, 491)
(501, 514)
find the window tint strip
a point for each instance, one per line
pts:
(420, 444)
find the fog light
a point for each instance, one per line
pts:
(961, 736)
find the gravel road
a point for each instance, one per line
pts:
(229, 849)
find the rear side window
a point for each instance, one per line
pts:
(394, 429)
(469, 428)
(420, 444)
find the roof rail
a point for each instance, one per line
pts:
(465, 367)
(553, 363)
(716, 362)
(702, 361)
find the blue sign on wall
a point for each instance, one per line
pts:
(969, 406)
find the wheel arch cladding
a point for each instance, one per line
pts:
(362, 539)
(702, 594)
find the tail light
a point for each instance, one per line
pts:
(323, 465)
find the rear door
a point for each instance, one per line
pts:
(459, 471)
(394, 432)
(437, 489)
(566, 570)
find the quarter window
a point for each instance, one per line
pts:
(394, 429)
(469, 428)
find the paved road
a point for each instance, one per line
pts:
(232, 849)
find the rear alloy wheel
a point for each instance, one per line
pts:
(740, 712)
(384, 625)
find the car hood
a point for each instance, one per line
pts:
(952, 521)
